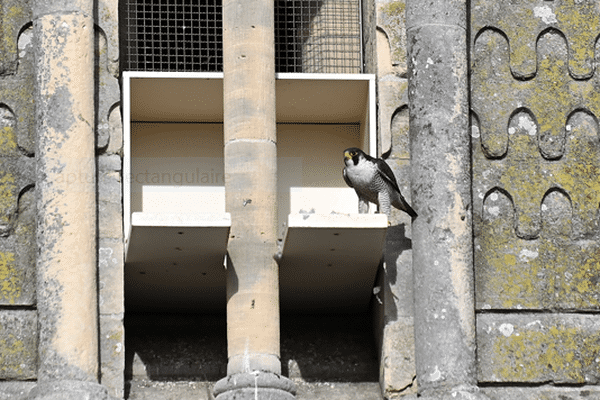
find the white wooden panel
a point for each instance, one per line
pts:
(175, 262)
(330, 262)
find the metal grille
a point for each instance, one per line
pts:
(167, 35)
(320, 36)
(186, 35)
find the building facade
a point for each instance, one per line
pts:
(175, 225)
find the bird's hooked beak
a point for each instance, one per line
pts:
(347, 155)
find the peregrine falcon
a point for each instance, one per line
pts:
(373, 181)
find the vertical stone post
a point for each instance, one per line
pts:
(251, 197)
(66, 189)
(441, 192)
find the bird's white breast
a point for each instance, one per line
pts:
(361, 175)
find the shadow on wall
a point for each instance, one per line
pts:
(329, 348)
(190, 347)
(175, 347)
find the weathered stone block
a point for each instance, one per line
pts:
(13, 15)
(390, 19)
(522, 22)
(143, 389)
(112, 354)
(115, 142)
(553, 271)
(15, 93)
(108, 163)
(15, 390)
(393, 116)
(16, 174)
(110, 220)
(108, 21)
(110, 275)
(339, 391)
(108, 87)
(18, 255)
(535, 186)
(17, 284)
(110, 213)
(109, 185)
(18, 345)
(397, 364)
(542, 393)
(559, 348)
(68, 390)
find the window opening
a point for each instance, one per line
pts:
(167, 35)
(311, 36)
(318, 36)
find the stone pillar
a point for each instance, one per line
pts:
(251, 197)
(66, 188)
(441, 193)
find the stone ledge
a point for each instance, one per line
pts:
(262, 381)
(68, 390)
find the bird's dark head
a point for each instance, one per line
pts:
(353, 155)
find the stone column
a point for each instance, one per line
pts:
(441, 192)
(251, 198)
(66, 189)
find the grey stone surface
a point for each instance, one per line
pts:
(18, 344)
(110, 224)
(392, 23)
(545, 392)
(15, 94)
(441, 195)
(110, 276)
(13, 16)
(436, 12)
(255, 393)
(68, 390)
(15, 390)
(143, 389)
(17, 255)
(394, 316)
(112, 354)
(537, 348)
(397, 357)
(338, 391)
(267, 384)
(44, 7)
(109, 180)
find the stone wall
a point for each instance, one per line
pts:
(110, 206)
(535, 195)
(396, 330)
(535, 167)
(18, 316)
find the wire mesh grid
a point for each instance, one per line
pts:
(318, 36)
(167, 35)
(186, 35)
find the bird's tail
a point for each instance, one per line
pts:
(401, 204)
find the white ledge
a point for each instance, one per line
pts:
(329, 261)
(175, 262)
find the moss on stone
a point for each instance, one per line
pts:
(532, 349)
(18, 345)
(10, 279)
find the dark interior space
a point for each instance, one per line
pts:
(193, 347)
(329, 348)
(175, 347)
